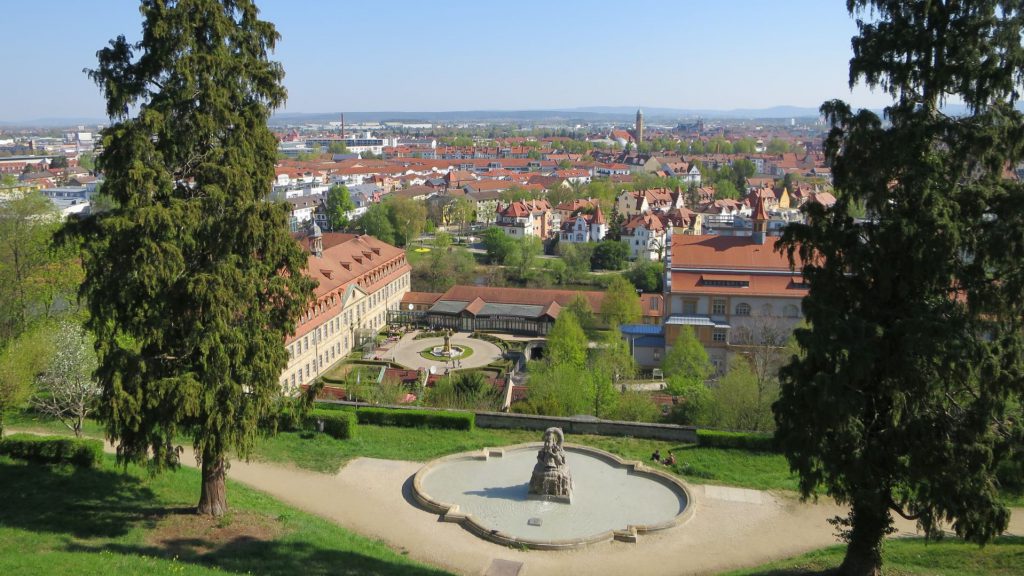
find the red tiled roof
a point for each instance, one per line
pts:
(759, 285)
(360, 260)
(527, 296)
(759, 213)
(577, 204)
(648, 220)
(475, 306)
(727, 252)
(420, 297)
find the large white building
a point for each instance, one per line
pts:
(645, 236)
(584, 227)
(359, 279)
(734, 291)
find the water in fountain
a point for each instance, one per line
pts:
(607, 495)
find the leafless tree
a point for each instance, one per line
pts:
(765, 343)
(66, 390)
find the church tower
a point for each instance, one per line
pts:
(639, 131)
(760, 218)
(316, 241)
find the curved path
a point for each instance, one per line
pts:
(731, 528)
(407, 351)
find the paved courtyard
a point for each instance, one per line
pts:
(407, 352)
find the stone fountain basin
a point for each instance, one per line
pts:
(486, 492)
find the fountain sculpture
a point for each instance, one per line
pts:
(446, 350)
(551, 479)
(611, 498)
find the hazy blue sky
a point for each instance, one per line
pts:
(472, 55)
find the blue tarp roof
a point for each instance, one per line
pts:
(640, 329)
(649, 342)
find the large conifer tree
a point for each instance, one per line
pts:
(192, 281)
(903, 400)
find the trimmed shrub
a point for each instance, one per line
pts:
(338, 424)
(333, 407)
(500, 365)
(284, 421)
(53, 449)
(416, 418)
(500, 343)
(740, 440)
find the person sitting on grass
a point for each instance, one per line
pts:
(656, 456)
(669, 460)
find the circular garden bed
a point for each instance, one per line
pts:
(429, 354)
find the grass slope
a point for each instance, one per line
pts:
(58, 519)
(320, 453)
(700, 465)
(912, 557)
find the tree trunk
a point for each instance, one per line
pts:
(869, 526)
(213, 500)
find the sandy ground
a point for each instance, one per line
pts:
(731, 527)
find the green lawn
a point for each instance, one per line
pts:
(321, 453)
(466, 353)
(700, 465)
(62, 520)
(27, 420)
(912, 557)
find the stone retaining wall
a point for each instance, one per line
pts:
(575, 425)
(588, 426)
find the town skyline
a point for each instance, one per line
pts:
(732, 55)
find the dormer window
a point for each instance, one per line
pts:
(725, 281)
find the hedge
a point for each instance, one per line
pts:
(499, 342)
(331, 406)
(429, 334)
(53, 449)
(337, 423)
(417, 418)
(741, 440)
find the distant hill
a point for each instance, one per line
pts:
(585, 114)
(54, 122)
(567, 115)
(736, 113)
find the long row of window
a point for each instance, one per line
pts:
(349, 317)
(341, 324)
(719, 307)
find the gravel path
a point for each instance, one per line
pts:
(731, 528)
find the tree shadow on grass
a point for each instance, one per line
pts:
(102, 505)
(245, 555)
(798, 572)
(85, 503)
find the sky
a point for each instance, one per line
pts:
(347, 56)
